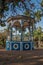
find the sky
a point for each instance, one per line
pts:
(37, 25)
(40, 23)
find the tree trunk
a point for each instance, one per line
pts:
(39, 42)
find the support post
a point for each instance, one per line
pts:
(11, 34)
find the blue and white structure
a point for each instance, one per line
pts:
(19, 23)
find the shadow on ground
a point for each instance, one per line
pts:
(34, 57)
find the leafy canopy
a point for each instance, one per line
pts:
(27, 7)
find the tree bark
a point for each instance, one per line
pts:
(39, 42)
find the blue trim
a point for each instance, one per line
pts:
(21, 45)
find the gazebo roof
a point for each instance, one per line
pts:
(18, 17)
(27, 21)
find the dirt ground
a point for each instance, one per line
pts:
(30, 57)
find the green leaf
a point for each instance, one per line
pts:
(6, 8)
(41, 3)
(3, 24)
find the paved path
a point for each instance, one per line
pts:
(34, 57)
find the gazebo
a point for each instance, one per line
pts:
(20, 22)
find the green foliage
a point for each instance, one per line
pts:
(38, 15)
(3, 24)
(6, 8)
(38, 33)
(41, 3)
(29, 11)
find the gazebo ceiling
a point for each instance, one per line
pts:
(16, 24)
(26, 24)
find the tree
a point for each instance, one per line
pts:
(42, 36)
(23, 5)
(37, 35)
(3, 37)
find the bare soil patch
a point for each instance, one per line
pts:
(30, 57)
